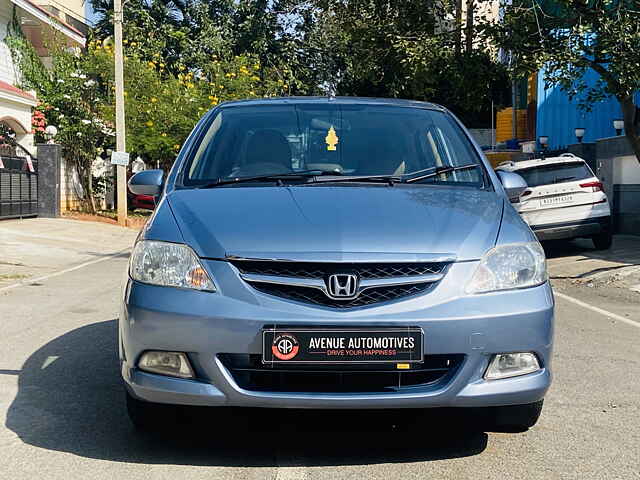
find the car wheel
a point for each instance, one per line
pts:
(147, 416)
(602, 241)
(516, 418)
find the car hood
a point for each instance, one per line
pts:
(337, 221)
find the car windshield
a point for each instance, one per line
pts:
(347, 140)
(555, 173)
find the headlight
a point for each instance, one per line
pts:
(505, 267)
(168, 265)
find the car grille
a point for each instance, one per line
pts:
(304, 281)
(367, 297)
(320, 270)
(250, 374)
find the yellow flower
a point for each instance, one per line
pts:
(162, 65)
(152, 64)
(252, 92)
(125, 41)
(181, 68)
(256, 66)
(125, 93)
(189, 85)
(163, 134)
(149, 123)
(176, 146)
(211, 97)
(133, 44)
(255, 79)
(154, 99)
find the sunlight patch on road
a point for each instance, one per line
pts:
(48, 361)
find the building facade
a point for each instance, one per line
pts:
(38, 26)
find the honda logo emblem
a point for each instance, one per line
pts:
(342, 285)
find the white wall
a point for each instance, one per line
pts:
(484, 136)
(626, 170)
(7, 70)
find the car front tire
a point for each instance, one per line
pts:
(516, 418)
(603, 240)
(147, 416)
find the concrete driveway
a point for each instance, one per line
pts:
(33, 248)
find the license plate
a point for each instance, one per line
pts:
(557, 200)
(311, 345)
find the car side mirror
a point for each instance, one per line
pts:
(512, 183)
(147, 182)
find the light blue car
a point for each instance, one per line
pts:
(335, 253)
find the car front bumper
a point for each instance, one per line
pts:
(206, 325)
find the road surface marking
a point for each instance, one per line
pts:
(66, 270)
(598, 310)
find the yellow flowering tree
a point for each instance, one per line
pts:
(162, 107)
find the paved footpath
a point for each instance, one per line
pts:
(63, 416)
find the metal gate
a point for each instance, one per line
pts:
(18, 182)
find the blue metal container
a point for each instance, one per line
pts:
(558, 116)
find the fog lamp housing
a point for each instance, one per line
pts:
(506, 365)
(173, 364)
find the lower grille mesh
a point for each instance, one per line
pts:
(249, 373)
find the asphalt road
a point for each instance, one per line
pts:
(63, 413)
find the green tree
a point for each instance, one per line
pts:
(569, 37)
(392, 48)
(161, 108)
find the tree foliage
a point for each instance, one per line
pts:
(182, 57)
(569, 37)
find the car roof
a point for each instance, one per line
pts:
(539, 162)
(337, 100)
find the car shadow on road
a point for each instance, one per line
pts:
(70, 399)
(624, 249)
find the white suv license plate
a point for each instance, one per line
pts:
(557, 200)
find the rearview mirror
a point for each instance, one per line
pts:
(147, 182)
(512, 183)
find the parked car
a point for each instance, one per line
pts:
(335, 253)
(144, 202)
(564, 199)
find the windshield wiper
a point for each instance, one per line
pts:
(441, 170)
(273, 176)
(390, 179)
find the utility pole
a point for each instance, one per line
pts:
(120, 128)
(458, 34)
(469, 33)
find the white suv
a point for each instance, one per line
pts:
(564, 199)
